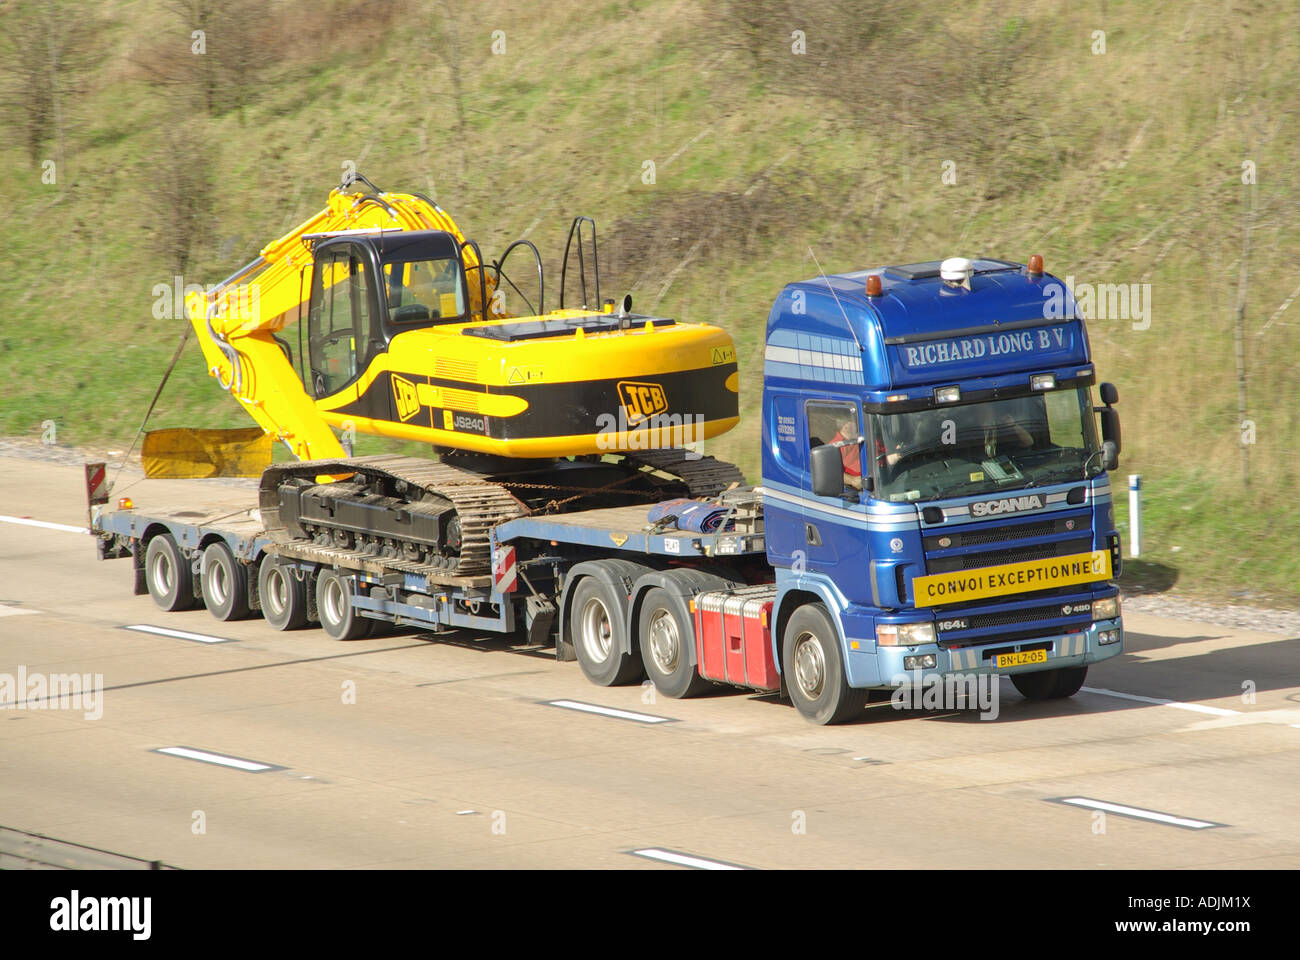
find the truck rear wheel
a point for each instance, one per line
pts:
(284, 595)
(167, 574)
(598, 636)
(814, 671)
(225, 583)
(666, 636)
(1050, 684)
(338, 618)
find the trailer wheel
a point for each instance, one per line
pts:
(666, 635)
(597, 631)
(225, 583)
(814, 670)
(338, 618)
(284, 596)
(167, 574)
(1050, 684)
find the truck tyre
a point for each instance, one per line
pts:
(1050, 684)
(597, 630)
(225, 583)
(167, 574)
(814, 671)
(284, 595)
(338, 618)
(666, 636)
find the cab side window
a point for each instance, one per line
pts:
(834, 422)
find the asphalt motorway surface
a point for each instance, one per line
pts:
(418, 751)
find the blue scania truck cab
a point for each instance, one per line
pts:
(935, 484)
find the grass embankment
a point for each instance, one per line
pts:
(1122, 167)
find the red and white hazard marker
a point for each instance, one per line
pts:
(504, 573)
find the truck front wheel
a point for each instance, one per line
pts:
(597, 631)
(167, 574)
(338, 618)
(667, 637)
(1050, 684)
(814, 671)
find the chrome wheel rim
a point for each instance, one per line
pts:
(160, 572)
(277, 591)
(809, 665)
(332, 601)
(597, 633)
(665, 642)
(218, 585)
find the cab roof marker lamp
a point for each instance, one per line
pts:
(947, 394)
(1042, 381)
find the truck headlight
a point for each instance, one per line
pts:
(1107, 609)
(904, 634)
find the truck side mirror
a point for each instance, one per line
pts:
(1109, 456)
(1109, 394)
(1110, 432)
(827, 466)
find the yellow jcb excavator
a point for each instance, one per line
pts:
(406, 335)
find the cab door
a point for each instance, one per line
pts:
(835, 533)
(342, 315)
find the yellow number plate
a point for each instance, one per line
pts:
(1022, 658)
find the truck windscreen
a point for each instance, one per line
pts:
(979, 448)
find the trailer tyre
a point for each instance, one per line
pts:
(814, 669)
(167, 574)
(597, 631)
(225, 583)
(1050, 684)
(666, 635)
(284, 595)
(338, 618)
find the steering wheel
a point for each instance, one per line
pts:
(413, 311)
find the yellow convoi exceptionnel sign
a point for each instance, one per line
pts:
(1011, 578)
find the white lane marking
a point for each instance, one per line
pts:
(1139, 813)
(203, 756)
(6, 611)
(179, 634)
(1194, 707)
(28, 522)
(607, 711)
(683, 859)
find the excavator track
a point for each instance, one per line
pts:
(479, 505)
(703, 476)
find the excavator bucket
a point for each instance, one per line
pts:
(181, 453)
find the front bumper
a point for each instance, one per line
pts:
(1063, 650)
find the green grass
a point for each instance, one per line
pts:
(1128, 171)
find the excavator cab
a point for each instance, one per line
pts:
(366, 290)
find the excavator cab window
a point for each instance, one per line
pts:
(424, 291)
(343, 319)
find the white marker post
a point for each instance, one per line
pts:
(1135, 514)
